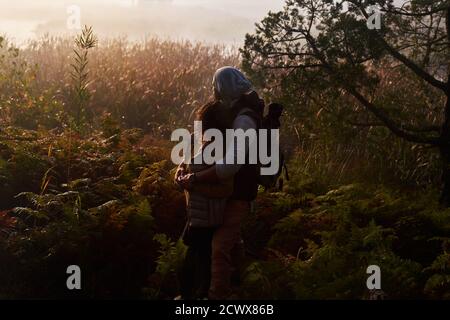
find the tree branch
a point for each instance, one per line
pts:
(391, 125)
(380, 114)
(418, 14)
(407, 62)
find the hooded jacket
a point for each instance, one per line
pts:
(230, 85)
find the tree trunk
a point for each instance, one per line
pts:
(445, 134)
(445, 196)
(445, 152)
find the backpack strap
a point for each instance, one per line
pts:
(251, 105)
(252, 114)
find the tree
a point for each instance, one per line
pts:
(332, 41)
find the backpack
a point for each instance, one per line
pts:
(269, 122)
(256, 108)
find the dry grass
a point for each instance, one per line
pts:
(154, 85)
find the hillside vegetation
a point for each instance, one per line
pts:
(86, 179)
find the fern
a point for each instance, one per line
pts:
(171, 255)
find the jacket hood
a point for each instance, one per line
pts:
(230, 84)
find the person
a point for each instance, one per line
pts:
(242, 105)
(205, 203)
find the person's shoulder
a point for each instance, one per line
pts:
(245, 119)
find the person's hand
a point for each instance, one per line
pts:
(181, 171)
(186, 181)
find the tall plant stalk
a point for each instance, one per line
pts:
(85, 41)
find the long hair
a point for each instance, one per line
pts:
(210, 116)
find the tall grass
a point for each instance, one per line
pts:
(154, 85)
(80, 72)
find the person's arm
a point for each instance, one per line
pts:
(225, 171)
(221, 171)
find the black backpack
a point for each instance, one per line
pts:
(270, 121)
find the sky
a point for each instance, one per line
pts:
(215, 21)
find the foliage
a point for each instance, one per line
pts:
(352, 91)
(99, 219)
(154, 85)
(80, 72)
(22, 104)
(322, 248)
(105, 200)
(169, 262)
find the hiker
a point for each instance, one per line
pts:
(240, 104)
(205, 204)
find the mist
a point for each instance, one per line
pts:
(215, 21)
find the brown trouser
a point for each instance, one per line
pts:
(224, 239)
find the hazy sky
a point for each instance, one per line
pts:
(206, 20)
